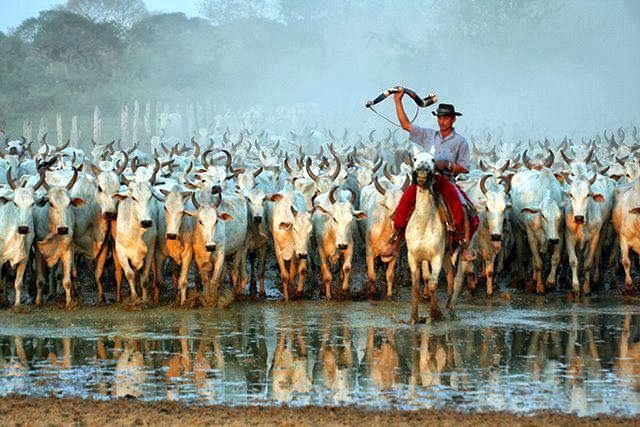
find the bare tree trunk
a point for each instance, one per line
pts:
(27, 130)
(59, 136)
(74, 131)
(147, 121)
(124, 123)
(97, 125)
(134, 125)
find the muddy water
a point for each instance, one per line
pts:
(523, 354)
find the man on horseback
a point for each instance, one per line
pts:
(452, 158)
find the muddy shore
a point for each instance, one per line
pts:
(29, 411)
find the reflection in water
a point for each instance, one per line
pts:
(586, 363)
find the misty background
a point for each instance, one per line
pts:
(521, 69)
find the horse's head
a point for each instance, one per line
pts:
(424, 164)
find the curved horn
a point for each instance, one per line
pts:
(335, 174)
(621, 134)
(312, 175)
(10, 180)
(525, 160)
(123, 166)
(483, 181)
(565, 157)
(73, 179)
(622, 160)
(204, 158)
(124, 180)
(66, 144)
(229, 158)
(194, 200)
(299, 162)
(352, 199)
(286, 165)
(568, 179)
(593, 179)
(332, 195)
(550, 159)
(589, 156)
(43, 140)
(155, 171)
(40, 182)
(483, 166)
(132, 149)
(377, 165)
(605, 170)
(258, 171)
(371, 136)
(405, 184)
(505, 166)
(379, 187)
(165, 149)
(386, 172)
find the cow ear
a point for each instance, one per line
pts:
(225, 216)
(635, 211)
(164, 191)
(597, 197)
(559, 177)
(285, 225)
(191, 213)
(323, 210)
(42, 201)
(274, 197)
(359, 215)
(530, 210)
(119, 196)
(76, 202)
(191, 186)
(4, 200)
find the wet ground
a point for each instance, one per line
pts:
(518, 353)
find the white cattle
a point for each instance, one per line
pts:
(136, 234)
(537, 200)
(379, 202)
(333, 225)
(589, 210)
(54, 223)
(626, 223)
(290, 226)
(16, 230)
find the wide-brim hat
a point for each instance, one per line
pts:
(446, 110)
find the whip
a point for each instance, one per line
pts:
(430, 99)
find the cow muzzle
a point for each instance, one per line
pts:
(110, 216)
(13, 151)
(257, 219)
(302, 256)
(579, 219)
(343, 246)
(23, 229)
(496, 237)
(210, 248)
(147, 223)
(554, 242)
(63, 231)
(172, 236)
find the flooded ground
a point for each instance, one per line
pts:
(521, 355)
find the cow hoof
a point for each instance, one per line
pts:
(417, 320)
(299, 294)
(436, 314)
(390, 298)
(263, 295)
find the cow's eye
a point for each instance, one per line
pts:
(99, 189)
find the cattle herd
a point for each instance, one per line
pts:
(221, 202)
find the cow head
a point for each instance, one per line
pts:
(550, 218)
(496, 203)
(61, 217)
(579, 194)
(301, 228)
(107, 185)
(138, 196)
(342, 214)
(174, 208)
(206, 220)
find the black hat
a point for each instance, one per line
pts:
(446, 110)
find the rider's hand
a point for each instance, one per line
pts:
(399, 94)
(441, 165)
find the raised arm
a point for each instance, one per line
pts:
(402, 116)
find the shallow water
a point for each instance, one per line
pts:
(524, 354)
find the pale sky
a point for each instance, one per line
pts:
(13, 12)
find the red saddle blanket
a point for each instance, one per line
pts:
(451, 195)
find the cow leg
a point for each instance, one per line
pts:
(252, 271)
(390, 275)
(555, 261)
(40, 276)
(302, 273)
(594, 245)
(426, 275)
(520, 257)
(129, 274)
(371, 271)
(284, 275)
(19, 281)
(216, 278)
(449, 270)
(293, 270)
(67, 261)
(184, 274)
(236, 281)
(573, 261)
(537, 262)
(346, 268)
(416, 268)
(626, 263)
(175, 280)
(100, 261)
(326, 273)
(489, 268)
(262, 256)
